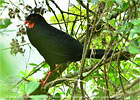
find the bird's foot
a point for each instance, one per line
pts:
(48, 75)
(44, 82)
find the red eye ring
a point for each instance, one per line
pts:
(31, 24)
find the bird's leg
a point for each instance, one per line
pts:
(44, 82)
(48, 75)
(56, 66)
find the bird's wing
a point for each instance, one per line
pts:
(58, 43)
(60, 46)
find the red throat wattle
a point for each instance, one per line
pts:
(30, 24)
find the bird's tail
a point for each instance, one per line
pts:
(98, 53)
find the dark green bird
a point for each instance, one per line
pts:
(56, 46)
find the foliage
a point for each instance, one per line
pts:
(110, 24)
(7, 73)
(4, 23)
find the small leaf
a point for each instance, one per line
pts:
(125, 6)
(2, 2)
(31, 86)
(33, 64)
(112, 22)
(53, 19)
(59, 17)
(135, 30)
(57, 96)
(109, 3)
(132, 75)
(22, 73)
(136, 22)
(134, 43)
(136, 72)
(4, 23)
(134, 47)
(113, 38)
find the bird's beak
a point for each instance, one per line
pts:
(31, 24)
(26, 22)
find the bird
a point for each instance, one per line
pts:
(56, 46)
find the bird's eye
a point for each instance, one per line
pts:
(32, 17)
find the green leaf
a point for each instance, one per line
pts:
(4, 23)
(75, 10)
(2, 2)
(136, 72)
(134, 31)
(109, 3)
(125, 6)
(59, 17)
(107, 31)
(57, 96)
(7, 92)
(112, 22)
(132, 75)
(22, 73)
(134, 47)
(119, 2)
(138, 9)
(31, 86)
(33, 64)
(38, 97)
(113, 38)
(136, 22)
(68, 91)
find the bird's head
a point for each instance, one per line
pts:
(33, 19)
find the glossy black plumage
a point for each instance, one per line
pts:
(56, 46)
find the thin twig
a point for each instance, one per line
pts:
(73, 14)
(106, 81)
(85, 49)
(35, 3)
(118, 66)
(53, 13)
(61, 14)
(68, 21)
(14, 46)
(84, 6)
(74, 22)
(31, 73)
(28, 59)
(74, 88)
(16, 6)
(120, 95)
